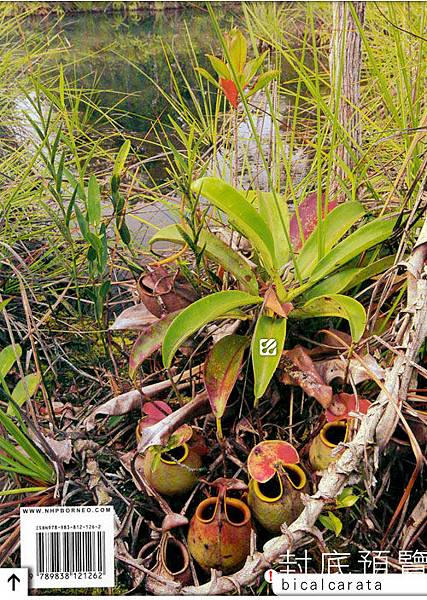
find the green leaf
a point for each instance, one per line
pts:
(198, 314)
(148, 341)
(182, 435)
(70, 208)
(27, 446)
(222, 367)
(4, 303)
(207, 76)
(334, 284)
(331, 522)
(24, 389)
(375, 268)
(121, 157)
(125, 234)
(20, 469)
(346, 498)
(245, 216)
(252, 67)
(262, 81)
(104, 245)
(14, 458)
(104, 289)
(349, 278)
(264, 365)
(218, 251)
(367, 236)
(75, 184)
(157, 455)
(219, 66)
(237, 49)
(8, 358)
(93, 201)
(275, 216)
(335, 305)
(83, 224)
(334, 226)
(25, 490)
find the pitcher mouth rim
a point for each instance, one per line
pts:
(262, 496)
(156, 555)
(292, 467)
(184, 552)
(177, 460)
(300, 472)
(327, 426)
(227, 502)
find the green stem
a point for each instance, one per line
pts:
(219, 432)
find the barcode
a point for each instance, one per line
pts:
(70, 552)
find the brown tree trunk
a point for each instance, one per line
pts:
(345, 68)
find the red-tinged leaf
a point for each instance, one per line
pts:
(222, 367)
(343, 404)
(297, 368)
(180, 436)
(198, 444)
(155, 411)
(267, 457)
(307, 211)
(148, 341)
(230, 90)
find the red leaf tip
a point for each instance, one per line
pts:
(230, 90)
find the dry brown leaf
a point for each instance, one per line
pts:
(120, 405)
(163, 292)
(340, 368)
(95, 481)
(272, 302)
(245, 426)
(297, 368)
(331, 341)
(61, 448)
(82, 446)
(135, 317)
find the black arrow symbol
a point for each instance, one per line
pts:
(14, 579)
